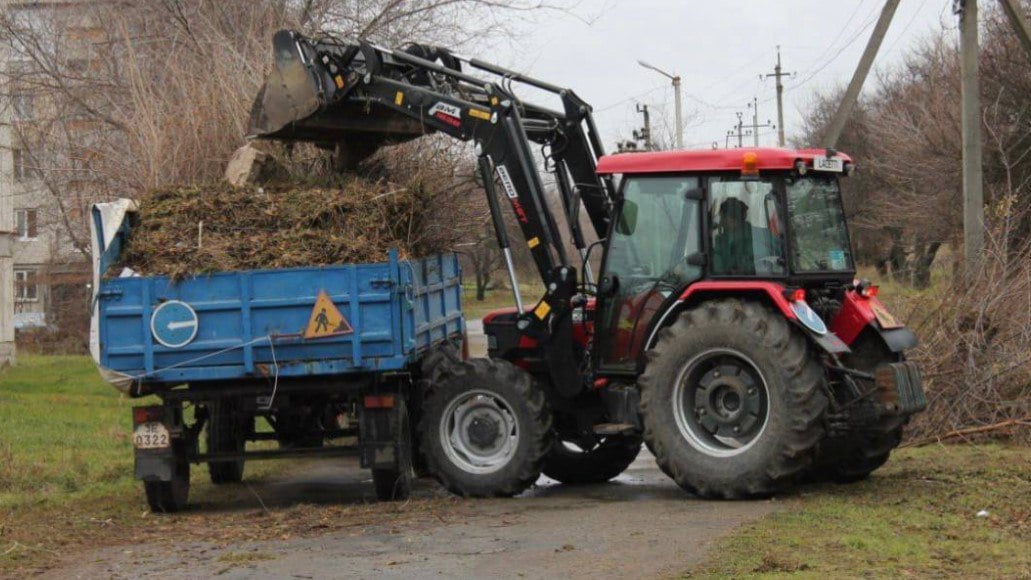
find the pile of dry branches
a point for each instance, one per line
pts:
(975, 351)
(192, 230)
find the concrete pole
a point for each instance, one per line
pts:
(780, 102)
(973, 186)
(1014, 12)
(680, 117)
(778, 74)
(755, 120)
(848, 102)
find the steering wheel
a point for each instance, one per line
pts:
(769, 264)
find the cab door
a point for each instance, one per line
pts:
(647, 263)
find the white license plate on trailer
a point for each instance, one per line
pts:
(151, 435)
(824, 163)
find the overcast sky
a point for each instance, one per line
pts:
(719, 48)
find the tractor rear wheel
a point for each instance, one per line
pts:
(854, 455)
(572, 464)
(733, 400)
(485, 428)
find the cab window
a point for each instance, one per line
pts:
(747, 237)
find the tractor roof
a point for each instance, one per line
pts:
(768, 158)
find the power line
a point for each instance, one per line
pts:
(630, 98)
(833, 58)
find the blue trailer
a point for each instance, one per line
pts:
(324, 355)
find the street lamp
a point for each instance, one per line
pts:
(676, 95)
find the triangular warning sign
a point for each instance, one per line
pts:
(326, 319)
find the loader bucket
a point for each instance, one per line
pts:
(302, 101)
(290, 92)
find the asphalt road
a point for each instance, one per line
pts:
(639, 525)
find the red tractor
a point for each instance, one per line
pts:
(726, 330)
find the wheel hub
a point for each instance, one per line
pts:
(727, 399)
(479, 431)
(721, 402)
(483, 432)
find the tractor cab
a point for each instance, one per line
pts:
(728, 218)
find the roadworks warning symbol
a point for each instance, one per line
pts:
(326, 319)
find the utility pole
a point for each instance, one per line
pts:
(779, 74)
(1014, 12)
(973, 187)
(848, 102)
(676, 96)
(738, 132)
(754, 105)
(645, 134)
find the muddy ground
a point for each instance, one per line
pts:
(639, 525)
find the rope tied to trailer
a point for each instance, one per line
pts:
(138, 379)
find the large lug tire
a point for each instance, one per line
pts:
(854, 459)
(395, 484)
(733, 401)
(170, 496)
(225, 434)
(854, 455)
(571, 464)
(485, 428)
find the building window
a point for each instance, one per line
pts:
(26, 287)
(24, 107)
(28, 227)
(23, 169)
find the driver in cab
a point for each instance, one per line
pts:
(732, 244)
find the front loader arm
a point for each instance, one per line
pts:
(358, 97)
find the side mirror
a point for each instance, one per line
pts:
(697, 259)
(695, 194)
(627, 222)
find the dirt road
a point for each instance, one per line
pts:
(640, 525)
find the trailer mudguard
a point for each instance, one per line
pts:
(380, 429)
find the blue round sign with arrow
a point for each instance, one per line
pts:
(174, 324)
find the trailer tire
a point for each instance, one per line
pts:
(605, 461)
(225, 434)
(485, 429)
(395, 484)
(733, 400)
(170, 496)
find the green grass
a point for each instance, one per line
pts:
(495, 299)
(64, 432)
(915, 517)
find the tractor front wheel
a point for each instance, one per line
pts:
(733, 400)
(485, 428)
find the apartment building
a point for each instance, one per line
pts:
(43, 181)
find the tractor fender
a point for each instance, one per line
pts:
(769, 292)
(859, 312)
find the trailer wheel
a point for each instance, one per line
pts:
(396, 483)
(486, 429)
(571, 464)
(732, 400)
(225, 434)
(170, 496)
